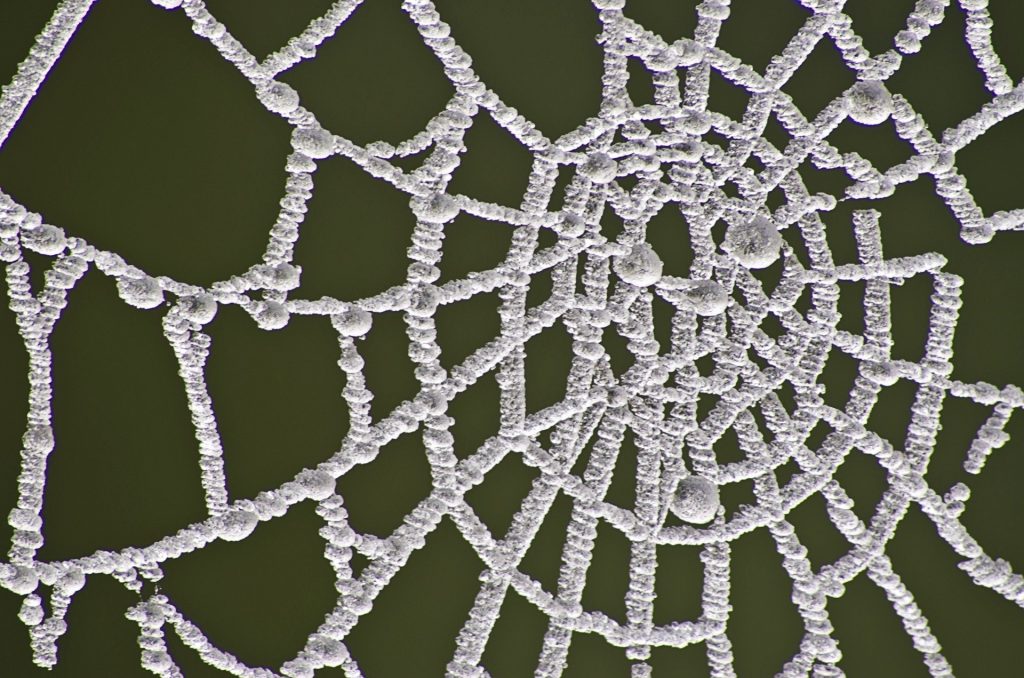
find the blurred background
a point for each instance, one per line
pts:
(144, 141)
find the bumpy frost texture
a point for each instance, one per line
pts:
(720, 311)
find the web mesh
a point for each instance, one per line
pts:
(753, 346)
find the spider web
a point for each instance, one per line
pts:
(634, 160)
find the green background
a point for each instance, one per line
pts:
(144, 141)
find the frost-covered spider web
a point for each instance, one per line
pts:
(763, 338)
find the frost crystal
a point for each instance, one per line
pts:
(19, 579)
(696, 500)
(870, 102)
(236, 525)
(755, 243)
(599, 168)
(198, 308)
(45, 239)
(437, 209)
(143, 292)
(280, 98)
(721, 333)
(706, 297)
(641, 266)
(314, 142)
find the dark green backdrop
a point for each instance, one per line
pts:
(145, 142)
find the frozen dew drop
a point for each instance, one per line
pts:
(71, 582)
(316, 484)
(8, 252)
(45, 239)
(156, 661)
(609, 4)
(641, 266)
(696, 500)
(327, 651)
(236, 525)
(198, 308)
(754, 243)
(689, 151)
(571, 225)
(439, 208)
(689, 52)
(663, 61)
(706, 297)
(31, 613)
(434, 401)
(24, 519)
(617, 396)
(882, 373)
(354, 322)
(167, 4)
(281, 277)
(280, 97)
(697, 122)
(424, 301)
(141, 292)
(38, 438)
(298, 668)
(313, 142)
(869, 102)
(599, 168)
(272, 315)
(21, 580)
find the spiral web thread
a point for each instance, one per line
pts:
(718, 312)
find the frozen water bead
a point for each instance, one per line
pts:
(696, 500)
(327, 651)
(869, 102)
(44, 239)
(24, 519)
(31, 611)
(283, 276)
(71, 581)
(754, 243)
(706, 297)
(641, 266)
(280, 97)
(19, 579)
(437, 209)
(354, 322)
(141, 292)
(599, 168)
(317, 485)
(156, 661)
(272, 315)
(571, 225)
(198, 308)
(882, 373)
(38, 438)
(313, 142)
(236, 525)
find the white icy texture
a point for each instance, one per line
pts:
(723, 314)
(641, 266)
(696, 500)
(870, 102)
(755, 243)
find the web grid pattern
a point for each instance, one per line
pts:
(722, 311)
